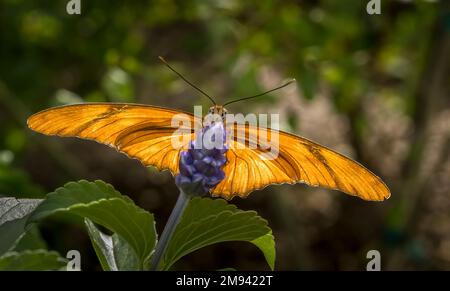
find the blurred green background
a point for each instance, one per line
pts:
(374, 87)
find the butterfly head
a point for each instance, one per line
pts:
(218, 111)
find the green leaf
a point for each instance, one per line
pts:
(102, 204)
(266, 244)
(30, 240)
(74, 193)
(34, 260)
(207, 221)
(114, 253)
(13, 217)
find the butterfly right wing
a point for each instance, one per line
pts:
(298, 160)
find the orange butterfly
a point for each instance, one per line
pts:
(145, 132)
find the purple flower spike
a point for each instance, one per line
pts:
(201, 165)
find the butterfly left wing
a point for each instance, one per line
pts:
(299, 160)
(140, 131)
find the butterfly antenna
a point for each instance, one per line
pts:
(186, 80)
(261, 94)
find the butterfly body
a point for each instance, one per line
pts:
(145, 132)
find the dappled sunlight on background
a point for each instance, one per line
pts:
(374, 87)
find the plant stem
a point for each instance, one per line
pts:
(169, 229)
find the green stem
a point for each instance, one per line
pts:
(169, 229)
